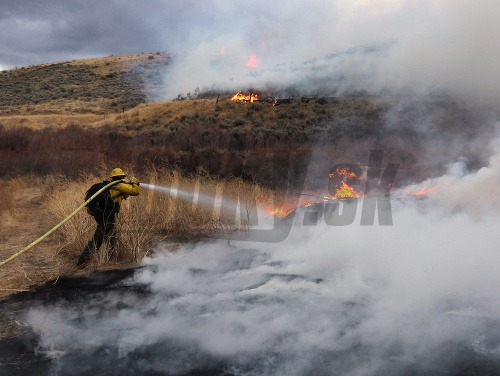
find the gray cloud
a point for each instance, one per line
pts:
(436, 44)
(36, 32)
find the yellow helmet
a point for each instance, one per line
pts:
(117, 172)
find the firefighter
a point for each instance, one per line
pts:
(104, 209)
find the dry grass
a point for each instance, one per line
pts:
(162, 113)
(95, 86)
(239, 125)
(111, 64)
(23, 219)
(45, 121)
(33, 205)
(6, 204)
(151, 217)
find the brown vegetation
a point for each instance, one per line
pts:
(75, 151)
(95, 86)
(33, 205)
(49, 120)
(63, 124)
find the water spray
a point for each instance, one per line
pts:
(230, 207)
(226, 205)
(174, 192)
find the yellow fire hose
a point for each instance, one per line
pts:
(59, 224)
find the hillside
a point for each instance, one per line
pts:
(64, 125)
(91, 86)
(71, 117)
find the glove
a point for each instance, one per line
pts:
(134, 181)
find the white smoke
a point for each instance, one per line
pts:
(425, 46)
(420, 295)
(476, 193)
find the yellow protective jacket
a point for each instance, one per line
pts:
(121, 191)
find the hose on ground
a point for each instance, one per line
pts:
(15, 255)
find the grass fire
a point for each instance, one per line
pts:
(292, 189)
(250, 97)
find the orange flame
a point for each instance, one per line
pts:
(277, 212)
(243, 97)
(345, 173)
(422, 192)
(252, 61)
(345, 190)
(425, 191)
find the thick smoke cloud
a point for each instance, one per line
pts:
(418, 47)
(477, 192)
(432, 45)
(419, 297)
(361, 302)
(453, 50)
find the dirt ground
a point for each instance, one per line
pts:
(31, 206)
(21, 223)
(23, 219)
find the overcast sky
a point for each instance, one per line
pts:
(448, 43)
(36, 32)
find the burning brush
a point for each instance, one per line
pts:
(341, 181)
(251, 97)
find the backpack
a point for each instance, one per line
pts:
(102, 203)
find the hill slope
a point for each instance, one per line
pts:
(59, 122)
(108, 99)
(96, 86)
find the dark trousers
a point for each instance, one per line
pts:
(105, 230)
